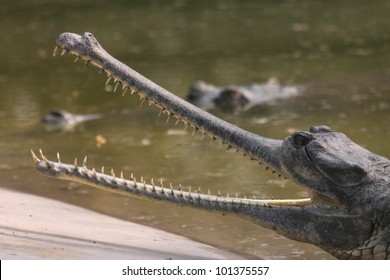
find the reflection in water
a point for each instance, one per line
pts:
(337, 50)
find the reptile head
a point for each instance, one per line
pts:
(329, 163)
(348, 213)
(58, 119)
(77, 44)
(232, 98)
(85, 46)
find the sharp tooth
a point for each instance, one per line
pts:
(64, 51)
(124, 91)
(178, 120)
(56, 50)
(113, 174)
(76, 59)
(47, 162)
(171, 187)
(169, 116)
(116, 86)
(108, 79)
(41, 153)
(35, 158)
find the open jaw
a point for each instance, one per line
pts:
(328, 219)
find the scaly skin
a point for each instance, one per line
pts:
(347, 213)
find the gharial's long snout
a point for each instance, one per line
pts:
(86, 47)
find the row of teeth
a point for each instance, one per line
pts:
(85, 172)
(91, 175)
(125, 88)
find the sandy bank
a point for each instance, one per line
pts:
(32, 227)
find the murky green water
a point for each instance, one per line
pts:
(338, 49)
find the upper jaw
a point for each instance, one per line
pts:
(74, 43)
(82, 46)
(68, 41)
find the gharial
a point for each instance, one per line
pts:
(347, 213)
(60, 119)
(65, 121)
(237, 98)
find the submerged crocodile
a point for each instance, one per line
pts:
(346, 214)
(239, 98)
(65, 121)
(61, 120)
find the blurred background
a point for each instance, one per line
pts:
(337, 50)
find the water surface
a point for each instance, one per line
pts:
(339, 50)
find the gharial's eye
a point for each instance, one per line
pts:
(301, 139)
